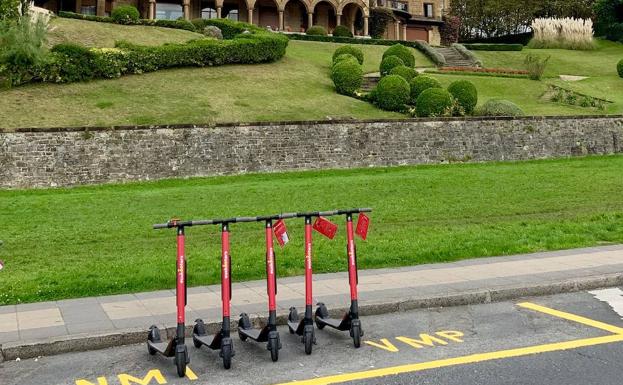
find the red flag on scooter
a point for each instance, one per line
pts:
(325, 227)
(362, 226)
(281, 232)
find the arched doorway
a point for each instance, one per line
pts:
(352, 17)
(295, 16)
(325, 15)
(234, 10)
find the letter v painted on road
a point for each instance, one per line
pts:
(385, 345)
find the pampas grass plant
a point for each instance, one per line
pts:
(567, 33)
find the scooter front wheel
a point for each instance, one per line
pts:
(226, 352)
(355, 331)
(273, 346)
(308, 339)
(180, 363)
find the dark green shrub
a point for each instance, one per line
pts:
(392, 93)
(380, 18)
(9, 9)
(75, 62)
(317, 30)
(231, 28)
(342, 31)
(434, 102)
(79, 16)
(177, 24)
(465, 94)
(493, 47)
(125, 14)
(345, 56)
(407, 73)
(388, 63)
(349, 49)
(402, 52)
(535, 66)
(347, 75)
(499, 107)
(421, 83)
(620, 68)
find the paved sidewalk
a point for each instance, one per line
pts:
(475, 280)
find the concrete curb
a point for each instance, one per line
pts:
(83, 342)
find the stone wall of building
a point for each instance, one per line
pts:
(66, 157)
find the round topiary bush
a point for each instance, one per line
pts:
(402, 52)
(434, 102)
(406, 72)
(499, 107)
(317, 30)
(465, 94)
(389, 63)
(345, 56)
(349, 49)
(342, 31)
(125, 14)
(213, 31)
(620, 68)
(392, 93)
(421, 83)
(347, 75)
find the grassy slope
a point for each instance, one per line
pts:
(98, 240)
(101, 35)
(598, 65)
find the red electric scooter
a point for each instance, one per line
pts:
(350, 321)
(175, 347)
(268, 333)
(221, 340)
(305, 327)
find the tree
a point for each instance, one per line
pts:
(9, 9)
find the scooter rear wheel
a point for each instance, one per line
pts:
(180, 363)
(308, 339)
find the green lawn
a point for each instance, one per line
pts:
(62, 243)
(598, 65)
(92, 34)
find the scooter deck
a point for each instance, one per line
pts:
(260, 335)
(296, 327)
(167, 349)
(207, 340)
(339, 324)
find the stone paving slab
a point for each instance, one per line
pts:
(481, 278)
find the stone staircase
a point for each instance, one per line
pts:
(454, 57)
(370, 81)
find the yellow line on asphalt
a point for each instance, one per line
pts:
(470, 359)
(572, 317)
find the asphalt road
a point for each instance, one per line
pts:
(499, 343)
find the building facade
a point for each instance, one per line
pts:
(413, 19)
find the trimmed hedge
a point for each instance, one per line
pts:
(349, 49)
(421, 46)
(620, 68)
(421, 83)
(493, 47)
(229, 28)
(407, 73)
(402, 52)
(125, 14)
(347, 76)
(344, 56)
(388, 63)
(392, 93)
(434, 102)
(499, 107)
(520, 38)
(316, 30)
(176, 24)
(342, 31)
(465, 94)
(69, 62)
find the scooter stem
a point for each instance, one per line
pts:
(270, 267)
(180, 292)
(308, 261)
(225, 270)
(352, 258)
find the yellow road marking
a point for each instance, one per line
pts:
(572, 317)
(481, 357)
(473, 358)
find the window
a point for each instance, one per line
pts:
(88, 10)
(208, 13)
(428, 10)
(233, 15)
(169, 11)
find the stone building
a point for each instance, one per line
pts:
(413, 19)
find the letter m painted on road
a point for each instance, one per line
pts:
(425, 339)
(126, 379)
